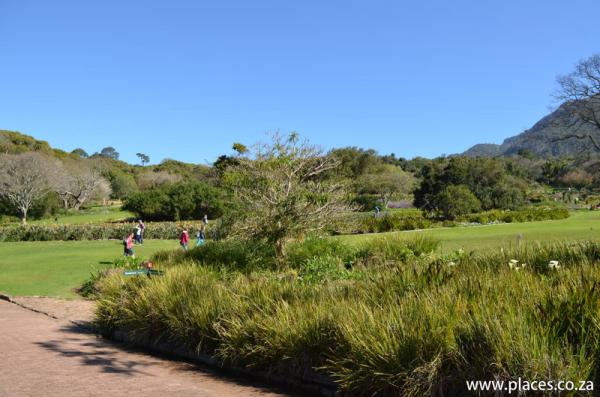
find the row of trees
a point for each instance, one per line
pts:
(29, 177)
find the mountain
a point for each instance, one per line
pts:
(542, 139)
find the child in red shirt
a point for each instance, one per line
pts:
(184, 240)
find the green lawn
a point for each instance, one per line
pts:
(97, 214)
(582, 225)
(54, 268)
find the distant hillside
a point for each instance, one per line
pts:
(541, 139)
(13, 142)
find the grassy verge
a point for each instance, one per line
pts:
(55, 268)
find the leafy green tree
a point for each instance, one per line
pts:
(121, 184)
(80, 152)
(144, 158)
(456, 200)
(110, 152)
(387, 182)
(281, 193)
(186, 200)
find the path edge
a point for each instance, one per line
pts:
(310, 382)
(313, 383)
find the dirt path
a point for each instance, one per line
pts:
(45, 356)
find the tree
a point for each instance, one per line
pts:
(78, 182)
(80, 152)
(389, 180)
(281, 192)
(24, 179)
(151, 179)
(144, 158)
(580, 92)
(110, 152)
(186, 200)
(456, 200)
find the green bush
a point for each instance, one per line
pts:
(525, 215)
(316, 247)
(456, 200)
(243, 255)
(181, 201)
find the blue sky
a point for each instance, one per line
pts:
(186, 79)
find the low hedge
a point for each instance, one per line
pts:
(526, 215)
(354, 223)
(154, 230)
(358, 223)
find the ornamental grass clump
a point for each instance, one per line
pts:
(418, 328)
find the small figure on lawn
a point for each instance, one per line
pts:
(205, 219)
(128, 246)
(200, 237)
(142, 227)
(138, 234)
(377, 210)
(184, 239)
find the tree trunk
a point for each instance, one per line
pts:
(23, 217)
(280, 251)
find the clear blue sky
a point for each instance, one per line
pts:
(186, 79)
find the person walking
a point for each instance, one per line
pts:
(205, 220)
(184, 239)
(142, 226)
(138, 234)
(200, 237)
(128, 246)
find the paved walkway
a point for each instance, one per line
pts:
(45, 356)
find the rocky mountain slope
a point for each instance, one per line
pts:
(541, 139)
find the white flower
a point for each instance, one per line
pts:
(523, 264)
(553, 265)
(513, 263)
(451, 264)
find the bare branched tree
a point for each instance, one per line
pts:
(77, 183)
(281, 192)
(24, 179)
(579, 92)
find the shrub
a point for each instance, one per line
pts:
(315, 247)
(181, 201)
(456, 200)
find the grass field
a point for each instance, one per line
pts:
(582, 225)
(55, 268)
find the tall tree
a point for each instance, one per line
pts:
(24, 179)
(110, 152)
(144, 158)
(281, 193)
(580, 92)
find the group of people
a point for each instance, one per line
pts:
(184, 239)
(137, 237)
